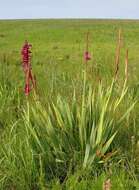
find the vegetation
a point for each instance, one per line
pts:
(80, 128)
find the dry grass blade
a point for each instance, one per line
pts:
(126, 65)
(87, 41)
(117, 58)
(107, 184)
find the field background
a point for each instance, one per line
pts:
(58, 46)
(57, 61)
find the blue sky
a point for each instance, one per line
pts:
(10, 9)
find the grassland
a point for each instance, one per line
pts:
(77, 132)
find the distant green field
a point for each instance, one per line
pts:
(58, 45)
(81, 126)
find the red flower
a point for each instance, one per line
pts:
(26, 55)
(87, 56)
(26, 63)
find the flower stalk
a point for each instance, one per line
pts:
(26, 63)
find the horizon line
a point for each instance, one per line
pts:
(65, 18)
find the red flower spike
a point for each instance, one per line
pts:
(26, 63)
(87, 56)
(26, 55)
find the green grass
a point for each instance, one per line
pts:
(77, 131)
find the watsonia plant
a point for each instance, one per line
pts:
(55, 139)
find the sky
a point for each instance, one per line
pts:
(23, 9)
